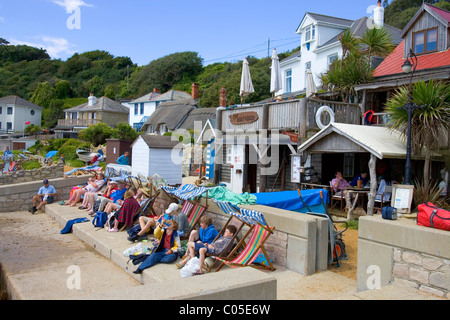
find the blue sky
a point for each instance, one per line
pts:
(145, 30)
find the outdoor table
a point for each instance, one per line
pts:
(364, 192)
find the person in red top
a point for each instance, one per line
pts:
(125, 215)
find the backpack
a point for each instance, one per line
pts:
(431, 216)
(100, 219)
(389, 213)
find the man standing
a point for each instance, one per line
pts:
(45, 196)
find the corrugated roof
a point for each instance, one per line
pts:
(379, 141)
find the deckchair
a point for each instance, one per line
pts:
(147, 205)
(196, 212)
(186, 208)
(255, 245)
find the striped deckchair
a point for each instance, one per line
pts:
(226, 206)
(196, 212)
(186, 208)
(255, 245)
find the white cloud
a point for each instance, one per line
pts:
(71, 5)
(56, 47)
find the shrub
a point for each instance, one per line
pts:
(77, 163)
(30, 165)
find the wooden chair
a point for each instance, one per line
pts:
(259, 233)
(385, 198)
(336, 197)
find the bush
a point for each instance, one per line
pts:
(77, 163)
(30, 165)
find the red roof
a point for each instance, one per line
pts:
(443, 13)
(393, 63)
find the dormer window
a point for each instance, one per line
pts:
(310, 33)
(425, 41)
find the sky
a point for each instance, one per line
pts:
(146, 30)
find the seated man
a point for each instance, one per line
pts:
(45, 196)
(363, 177)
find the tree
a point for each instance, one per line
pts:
(125, 131)
(96, 134)
(167, 71)
(43, 94)
(354, 66)
(428, 123)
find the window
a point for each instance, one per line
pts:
(163, 128)
(1, 109)
(349, 160)
(32, 112)
(9, 126)
(425, 41)
(136, 107)
(332, 58)
(230, 155)
(288, 81)
(310, 33)
(9, 110)
(142, 108)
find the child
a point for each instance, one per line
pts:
(167, 249)
(216, 248)
(206, 234)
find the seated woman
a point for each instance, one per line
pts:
(385, 181)
(93, 185)
(90, 197)
(166, 251)
(125, 215)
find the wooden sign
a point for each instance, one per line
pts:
(244, 117)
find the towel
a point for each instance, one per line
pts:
(70, 223)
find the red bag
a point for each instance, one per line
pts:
(431, 216)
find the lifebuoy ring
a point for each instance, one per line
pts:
(319, 113)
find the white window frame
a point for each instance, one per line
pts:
(288, 81)
(310, 33)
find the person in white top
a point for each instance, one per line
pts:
(93, 185)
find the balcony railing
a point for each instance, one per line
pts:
(78, 122)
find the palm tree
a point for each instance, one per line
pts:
(354, 66)
(428, 124)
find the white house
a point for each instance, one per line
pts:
(142, 108)
(153, 154)
(320, 46)
(17, 113)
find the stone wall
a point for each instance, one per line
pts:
(18, 197)
(421, 271)
(299, 242)
(403, 252)
(46, 172)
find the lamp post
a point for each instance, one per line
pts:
(409, 107)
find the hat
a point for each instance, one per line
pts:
(146, 191)
(172, 207)
(45, 181)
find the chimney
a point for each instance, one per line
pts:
(195, 91)
(222, 97)
(92, 100)
(378, 15)
(155, 90)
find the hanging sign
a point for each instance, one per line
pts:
(244, 117)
